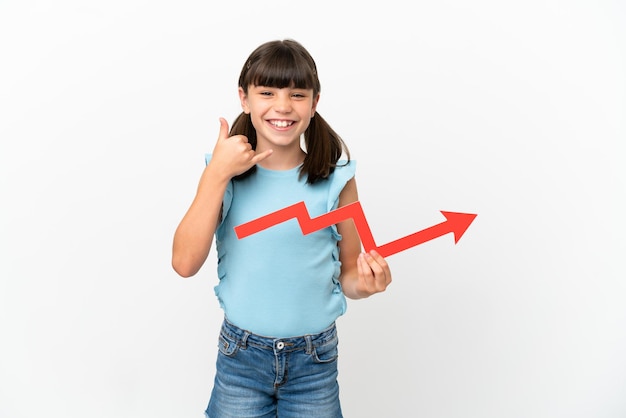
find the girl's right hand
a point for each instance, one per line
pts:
(234, 155)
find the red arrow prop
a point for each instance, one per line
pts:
(456, 222)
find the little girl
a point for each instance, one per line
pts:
(281, 290)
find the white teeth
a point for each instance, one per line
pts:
(281, 123)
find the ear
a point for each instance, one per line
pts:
(243, 98)
(315, 101)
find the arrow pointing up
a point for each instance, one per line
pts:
(456, 222)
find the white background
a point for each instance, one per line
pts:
(515, 111)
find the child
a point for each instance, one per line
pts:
(281, 290)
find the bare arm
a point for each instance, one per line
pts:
(194, 235)
(362, 274)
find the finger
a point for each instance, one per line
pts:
(380, 269)
(223, 130)
(379, 258)
(377, 270)
(261, 156)
(359, 265)
(382, 263)
(364, 270)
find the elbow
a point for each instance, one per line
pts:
(183, 269)
(187, 263)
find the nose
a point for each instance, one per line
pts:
(282, 103)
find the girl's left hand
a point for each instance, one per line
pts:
(374, 274)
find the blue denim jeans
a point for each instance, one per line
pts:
(275, 377)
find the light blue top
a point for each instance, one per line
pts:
(279, 282)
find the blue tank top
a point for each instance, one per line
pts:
(279, 282)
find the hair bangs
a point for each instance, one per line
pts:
(280, 65)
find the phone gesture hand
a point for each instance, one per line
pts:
(233, 155)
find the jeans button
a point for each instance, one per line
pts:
(280, 345)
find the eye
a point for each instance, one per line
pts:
(263, 91)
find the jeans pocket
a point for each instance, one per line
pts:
(227, 345)
(326, 353)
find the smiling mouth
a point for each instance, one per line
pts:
(281, 123)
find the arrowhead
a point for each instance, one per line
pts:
(458, 223)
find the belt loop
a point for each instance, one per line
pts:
(309, 344)
(244, 340)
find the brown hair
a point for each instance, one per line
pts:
(286, 63)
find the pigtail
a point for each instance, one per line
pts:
(324, 148)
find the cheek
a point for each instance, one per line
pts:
(256, 121)
(306, 121)
(308, 111)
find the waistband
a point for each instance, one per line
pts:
(306, 342)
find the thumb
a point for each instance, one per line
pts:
(223, 130)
